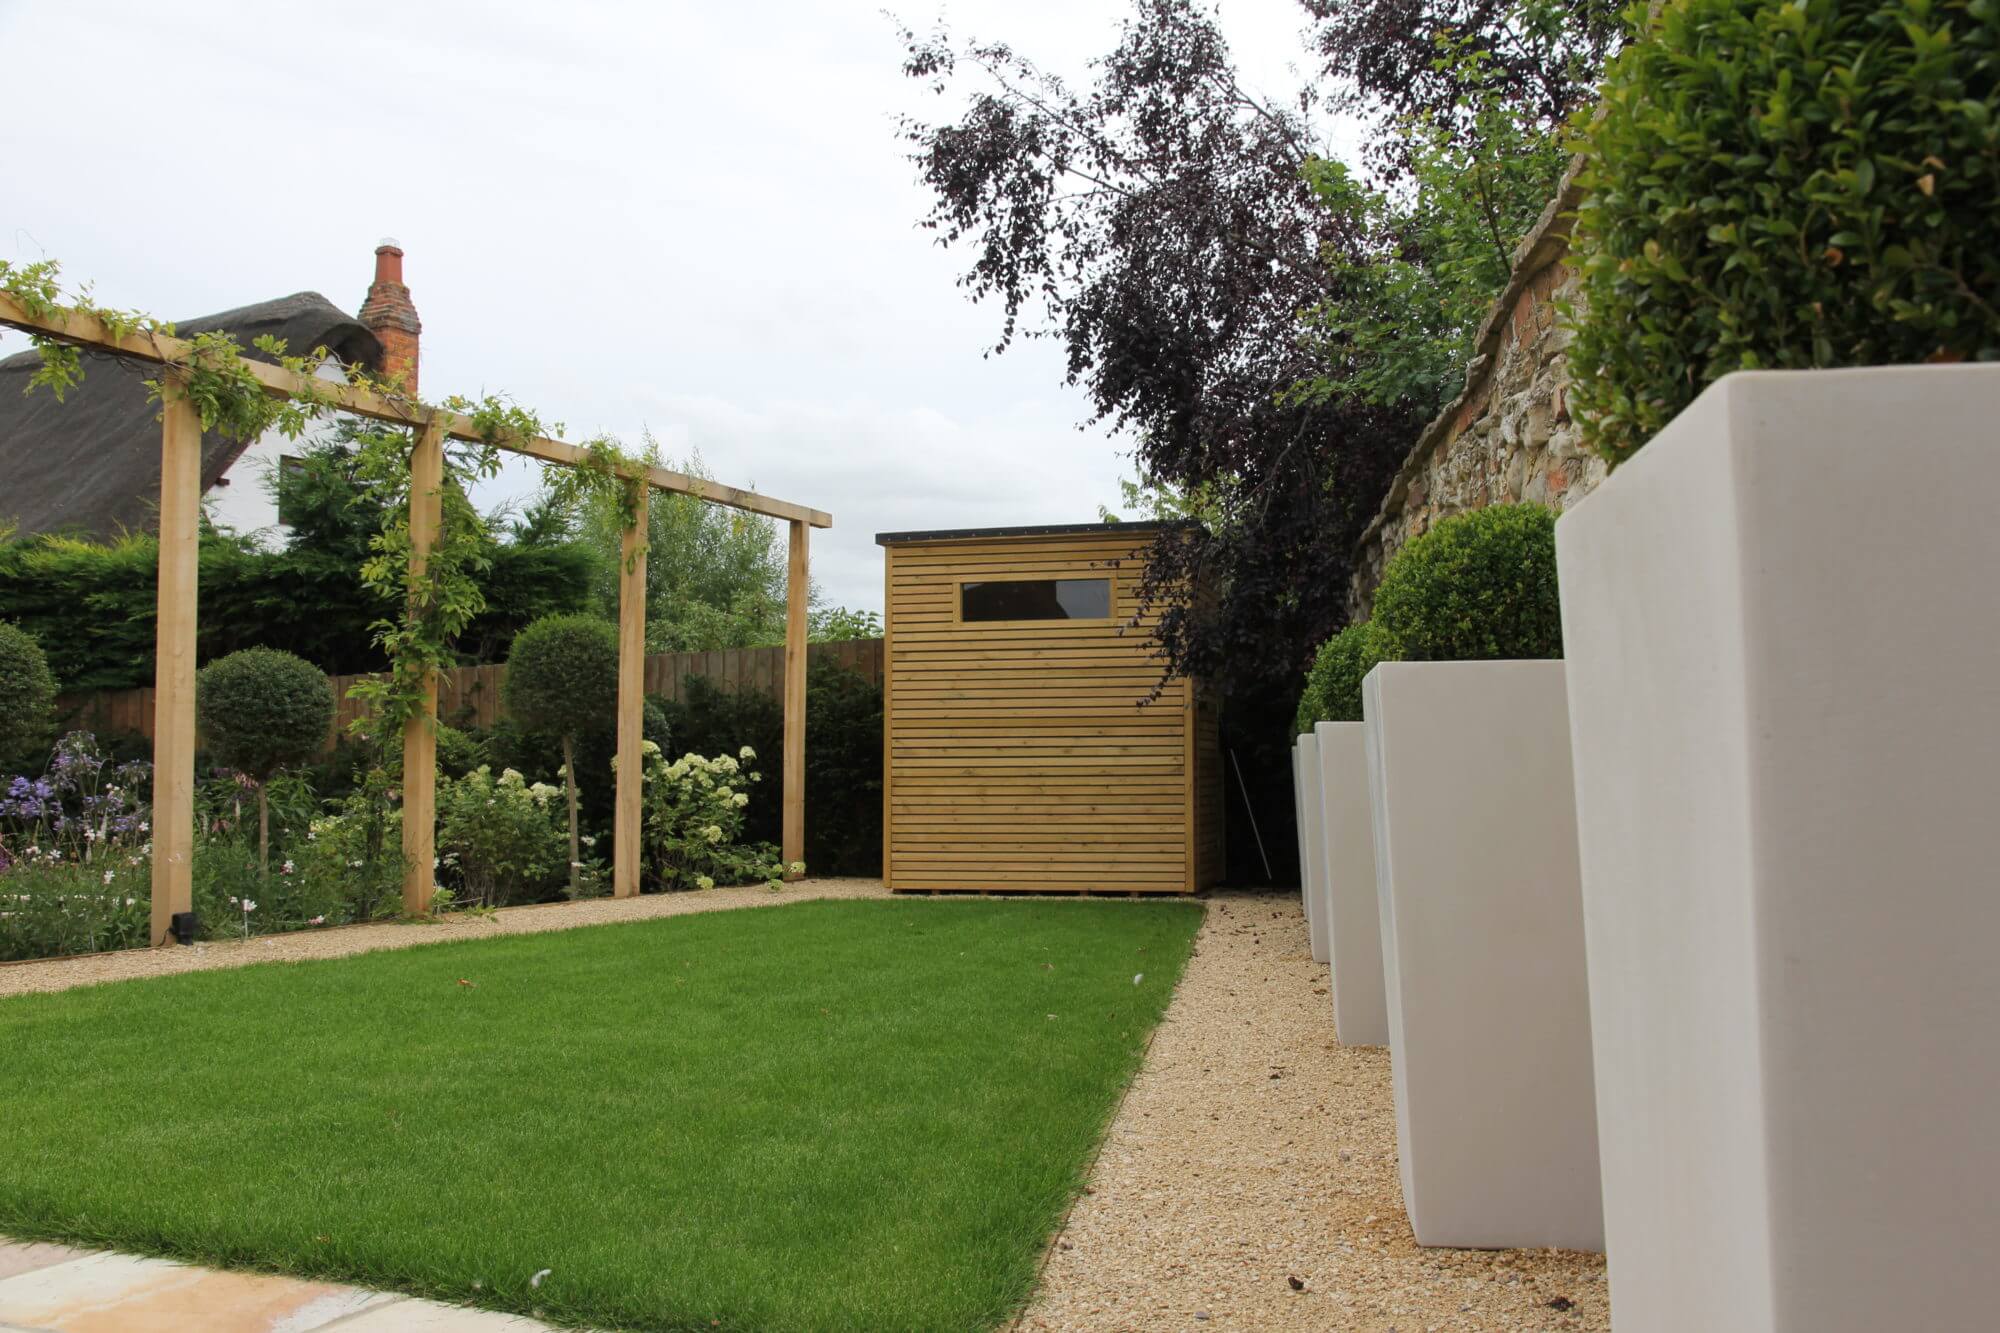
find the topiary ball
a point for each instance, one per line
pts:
(1334, 683)
(1785, 186)
(562, 675)
(261, 709)
(1479, 586)
(27, 693)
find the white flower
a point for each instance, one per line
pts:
(107, 876)
(588, 840)
(249, 906)
(746, 753)
(713, 833)
(739, 800)
(285, 869)
(704, 882)
(648, 747)
(725, 792)
(511, 776)
(317, 921)
(798, 867)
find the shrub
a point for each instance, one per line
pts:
(843, 759)
(27, 694)
(458, 752)
(500, 840)
(1333, 683)
(358, 847)
(1477, 586)
(562, 681)
(694, 820)
(1785, 186)
(261, 709)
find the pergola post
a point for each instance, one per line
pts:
(631, 699)
(173, 659)
(420, 732)
(794, 833)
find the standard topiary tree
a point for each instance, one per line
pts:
(1785, 186)
(562, 681)
(27, 693)
(261, 710)
(1333, 684)
(1476, 587)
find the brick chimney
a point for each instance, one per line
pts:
(390, 316)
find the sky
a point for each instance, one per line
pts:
(694, 219)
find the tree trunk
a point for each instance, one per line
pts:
(263, 834)
(569, 787)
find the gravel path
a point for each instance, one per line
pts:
(1253, 1153)
(62, 973)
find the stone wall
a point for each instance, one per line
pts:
(1508, 436)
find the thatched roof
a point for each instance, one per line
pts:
(90, 465)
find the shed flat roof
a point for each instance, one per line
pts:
(1047, 530)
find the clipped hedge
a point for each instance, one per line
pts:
(92, 606)
(27, 694)
(1808, 184)
(1333, 683)
(1478, 586)
(261, 709)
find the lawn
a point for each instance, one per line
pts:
(860, 1115)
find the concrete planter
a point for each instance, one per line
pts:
(1312, 850)
(1784, 650)
(1354, 923)
(1482, 930)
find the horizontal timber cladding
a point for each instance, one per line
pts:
(1032, 754)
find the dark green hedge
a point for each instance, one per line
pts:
(1333, 684)
(91, 607)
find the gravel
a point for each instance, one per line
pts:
(1249, 1180)
(63, 973)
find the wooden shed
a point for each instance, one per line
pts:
(1021, 753)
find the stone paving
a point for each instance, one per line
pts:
(55, 1289)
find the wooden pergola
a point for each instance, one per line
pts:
(180, 516)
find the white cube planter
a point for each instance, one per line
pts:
(1354, 923)
(1482, 930)
(1783, 626)
(1312, 850)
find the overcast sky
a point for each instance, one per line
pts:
(693, 218)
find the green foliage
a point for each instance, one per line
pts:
(694, 822)
(1333, 683)
(27, 694)
(261, 709)
(715, 577)
(1477, 586)
(458, 753)
(562, 675)
(358, 846)
(843, 759)
(1794, 185)
(838, 624)
(92, 605)
(500, 840)
(1437, 249)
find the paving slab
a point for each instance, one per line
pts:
(74, 1291)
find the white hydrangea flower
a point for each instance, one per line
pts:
(746, 753)
(511, 777)
(704, 882)
(740, 799)
(713, 833)
(649, 747)
(798, 867)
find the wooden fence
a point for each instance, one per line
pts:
(470, 696)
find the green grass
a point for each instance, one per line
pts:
(864, 1115)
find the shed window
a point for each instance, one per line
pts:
(1036, 599)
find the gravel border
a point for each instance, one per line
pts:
(1249, 1179)
(62, 973)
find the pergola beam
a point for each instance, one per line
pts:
(86, 330)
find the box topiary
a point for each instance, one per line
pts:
(1333, 683)
(1477, 586)
(1808, 184)
(261, 709)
